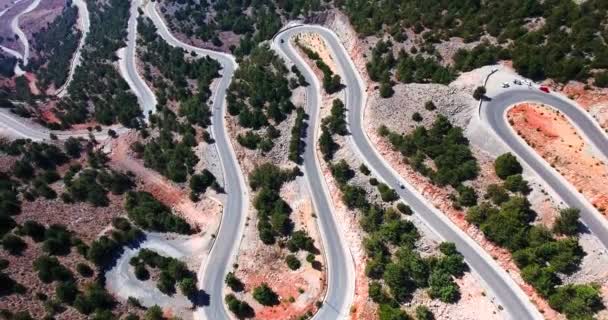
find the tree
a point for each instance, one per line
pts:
(429, 106)
(13, 244)
(233, 282)
(386, 89)
(443, 287)
(577, 301)
(567, 223)
(265, 296)
(73, 147)
(405, 209)
(423, 313)
(154, 313)
(241, 309)
(292, 262)
(66, 291)
(516, 183)
(479, 93)
(327, 145)
(467, 196)
(416, 116)
(188, 286)
(497, 194)
(507, 165)
(387, 312)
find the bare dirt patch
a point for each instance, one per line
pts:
(550, 133)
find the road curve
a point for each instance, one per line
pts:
(514, 301)
(85, 24)
(17, 30)
(340, 264)
(221, 257)
(128, 68)
(493, 113)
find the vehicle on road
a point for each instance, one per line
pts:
(544, 89)
(517, 82)
(505, 85)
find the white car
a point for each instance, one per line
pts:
(517, 82)
(528, 83)
(505, 85)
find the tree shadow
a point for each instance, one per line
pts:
(200, 299)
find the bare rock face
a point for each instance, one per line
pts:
(396, 112)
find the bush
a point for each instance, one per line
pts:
(516, 183)
(567, 223)
(423, 313)
(233, 282)
(154, 313)
(300, 240)
(429, 106)
(141, 272)
(601, 79)
(577, 301)
(73, 147)
(416, 116)
(49, 269)
(292, 262)
(443, 287)
(66, 291)
(150, 214)
(84, 269)
(386, 89)
(363, 168)
(386, 193)
(265, 296)
(404, 208)
(34, 230)
(497, 194)
(188, 286)
(342, 172)
(467, 196)
(507, 165)
(241, 309)
(13, 244)
(479, 93)
(200, 182)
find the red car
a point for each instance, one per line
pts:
(544, 89)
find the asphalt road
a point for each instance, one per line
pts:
(340, 265)
(493, 112)
(513, 300)
(226, 244)
(145, 96)
(17, 30)
(85, 24)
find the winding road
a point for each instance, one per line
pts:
(85, 24)
(340, 264)
(22, 37)
(512, 297)
(225, 247)
(493, 113)
(128, 68)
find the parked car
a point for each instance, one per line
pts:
(544, 89)
(505, 85)
(517, 82)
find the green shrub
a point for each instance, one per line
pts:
(567, 222)
(507, 165)
(13, 244)
(265, 296)
(292, 262)
(241, 309)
